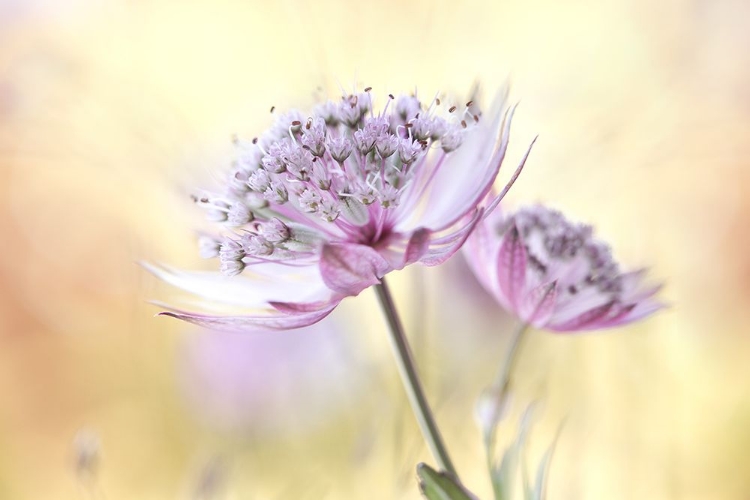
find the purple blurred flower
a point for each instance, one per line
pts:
(260, 383)
(323, 206)
(553, 274)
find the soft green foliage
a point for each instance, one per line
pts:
(436, 485)
(542, 472)
(513, 464)
(504, 474)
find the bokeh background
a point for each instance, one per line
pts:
(112, 110)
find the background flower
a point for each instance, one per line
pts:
(553, 274)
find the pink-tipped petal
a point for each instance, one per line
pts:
(632, 290)
(496, 200)
(441, 249)
(309, 307)
(418, 245)
(511, 267)
(228, 323)
(586, 320)
(350, 268)
(632, 313)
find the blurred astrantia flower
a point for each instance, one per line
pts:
(553, 274)
(257, 383)
(323, 205)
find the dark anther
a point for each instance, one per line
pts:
(463, 123)
(437, 101)
(468, 104)
(476, 118)
(255, 140)
(367, 89)
(296, 123)
(308, 124)
(391, 96)
(408, 125)
(204, 200)
(452, 109)
(273, 108)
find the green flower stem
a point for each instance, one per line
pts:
(502, 379)
(501, 384)
(410, 379)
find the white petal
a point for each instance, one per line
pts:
(467, 171)
(250, 290)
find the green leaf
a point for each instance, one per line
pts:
(436, 485)
(541, 475)
(542, 471)
(503, 476)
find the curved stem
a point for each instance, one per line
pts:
(501, 384)
(410, 379)
(502, 379)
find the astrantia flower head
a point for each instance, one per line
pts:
(323, 205)
(553, 274)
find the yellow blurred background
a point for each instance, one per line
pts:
(111, 111)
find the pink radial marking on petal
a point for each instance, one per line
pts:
(511, 269)
(541, 303)
(350, 268)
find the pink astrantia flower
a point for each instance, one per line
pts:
(322, 206)
(553, 274)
